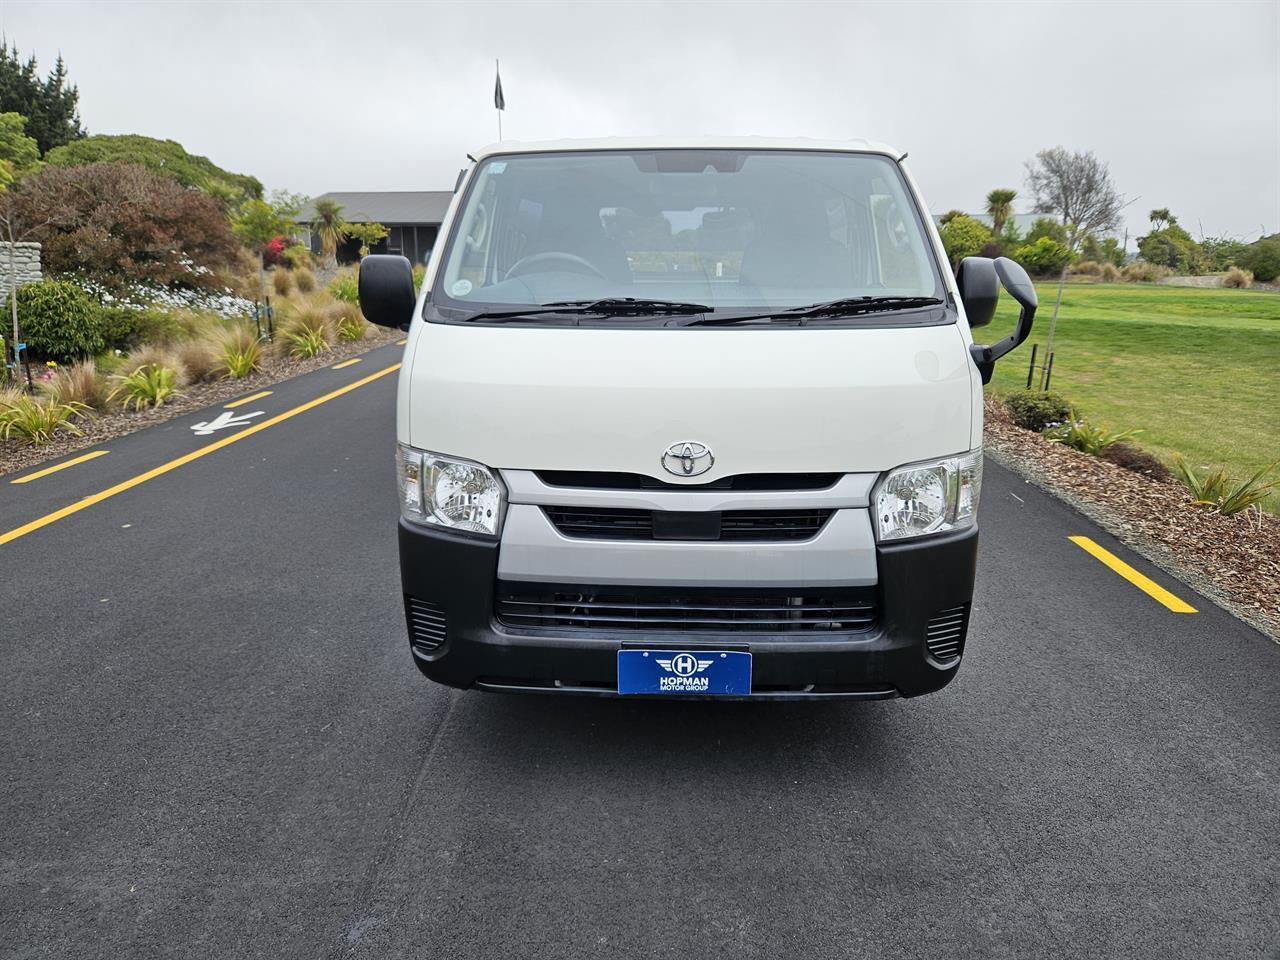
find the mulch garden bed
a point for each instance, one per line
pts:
(1233, 560)
(16, 456)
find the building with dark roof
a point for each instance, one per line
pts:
(412, 218)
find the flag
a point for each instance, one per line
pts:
(499, 101)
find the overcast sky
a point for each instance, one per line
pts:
(1182, 99)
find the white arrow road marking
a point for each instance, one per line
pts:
(223, 420)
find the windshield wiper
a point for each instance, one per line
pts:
(609, 307)
(622, 306)
(846, 307)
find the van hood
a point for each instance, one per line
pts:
(764, 400)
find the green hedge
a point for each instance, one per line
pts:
(59, 321)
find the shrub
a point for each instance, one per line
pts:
(1086, 268)
(305, 280)
(1079, 434)
(1172, 247)
(1262, 259)
(197, 360)
(349, 323)
(117, 223)
(151, 353)
(124, 327)
(1044, 257)
(273, 251)
(307, 333)
(33, 421)
(60, 322)
(303, 343)
(962, 237)
(148, 385)
(1109, 273)
(346, 286)
(420, 272)
(1226, 496)
(241, 355)
(80, 383)
(1133, 458)
(1142, 272)
(281, 282)
(1036, 411)
(1240, 279)
(1047, 227)
(298, 257)
(164, 157)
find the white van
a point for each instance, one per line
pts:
(690, 417)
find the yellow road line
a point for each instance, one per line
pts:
(60, 466)
(174, 464)
(344, 363)
(401, 343)
(249, 399)
(1145, 584)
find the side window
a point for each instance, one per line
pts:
(896, 254)
(477, 238)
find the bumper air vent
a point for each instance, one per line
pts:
(654, 609)
(426, 624)
(944, 634)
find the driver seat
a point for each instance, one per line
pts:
(579, 232)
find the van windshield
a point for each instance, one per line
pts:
(728, 229)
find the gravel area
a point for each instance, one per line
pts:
(1233, 560)
(15, 456)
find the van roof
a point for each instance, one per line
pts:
(688, 143)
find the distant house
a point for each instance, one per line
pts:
(412, 217)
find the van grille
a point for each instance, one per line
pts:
(944, 633)
(658, 609)
(426, 624)
(607, 523)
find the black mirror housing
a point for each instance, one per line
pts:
(386, 290)
(979, 289)
(1020, 287)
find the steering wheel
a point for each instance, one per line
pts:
(530, 264)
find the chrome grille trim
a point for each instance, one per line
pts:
(851, 490)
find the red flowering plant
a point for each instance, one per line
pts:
(273, 252)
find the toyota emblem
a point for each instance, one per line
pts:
(688, 458)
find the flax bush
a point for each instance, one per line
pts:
(148, 385)
(38, 421)
(1225, 495)
(241, 355)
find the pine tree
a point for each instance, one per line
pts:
(50, 105)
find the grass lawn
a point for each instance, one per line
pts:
(1198, 371)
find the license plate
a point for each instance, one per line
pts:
(717, 673)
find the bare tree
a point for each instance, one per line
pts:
(1078, 188)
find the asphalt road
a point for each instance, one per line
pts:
(215, 745)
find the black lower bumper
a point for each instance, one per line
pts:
(922, 600)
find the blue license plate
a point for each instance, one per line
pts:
(722, 673)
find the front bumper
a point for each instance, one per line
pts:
(450, 582)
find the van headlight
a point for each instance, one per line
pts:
(453, 494)
(919, 499)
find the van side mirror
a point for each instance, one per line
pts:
(1020, 287)
(979, 289)
(386, 290)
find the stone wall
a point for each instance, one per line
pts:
(26, 264)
